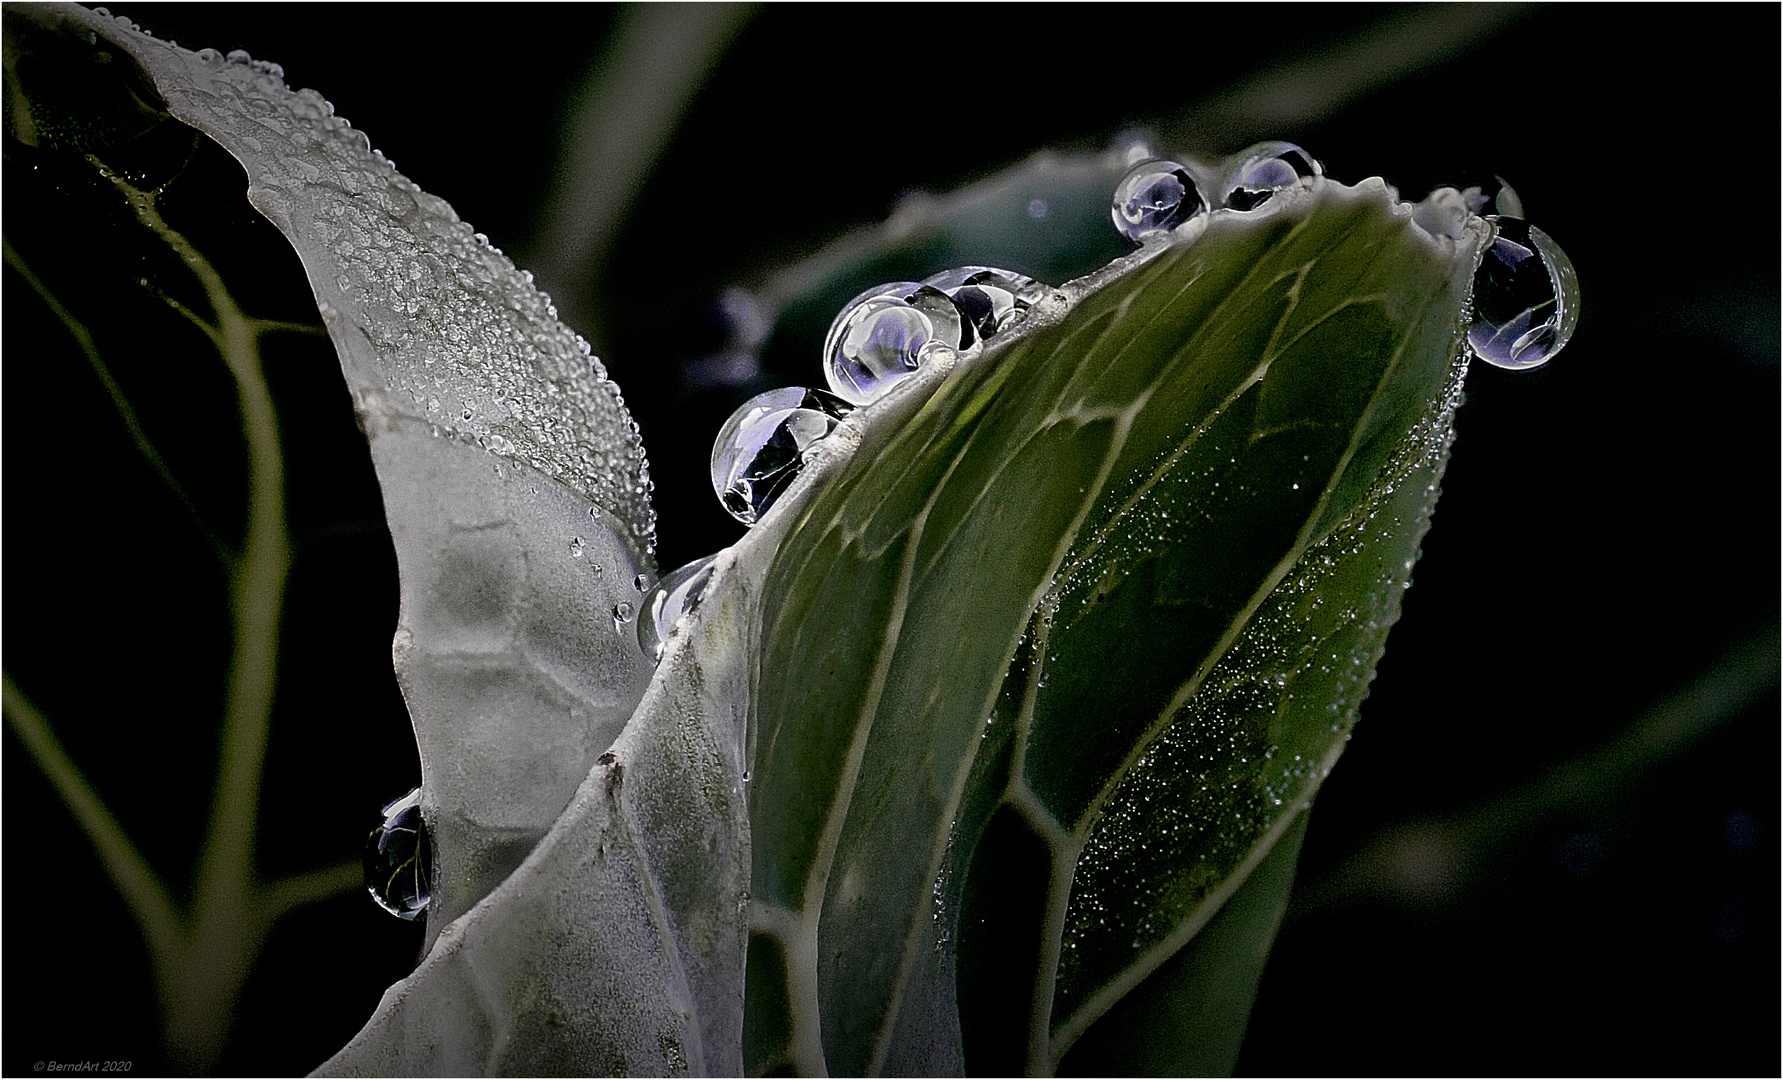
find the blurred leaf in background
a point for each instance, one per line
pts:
(1552, 841)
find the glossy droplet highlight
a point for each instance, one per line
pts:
(622, 614)
(674, 596)
(764, 445)
(1525, 299)
(1155, 196)
(397, 859)
(1260, 171)
(880, 337)
(989, 299)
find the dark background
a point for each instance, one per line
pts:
(1515, 869)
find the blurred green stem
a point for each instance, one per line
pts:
(84, 339)
(1281, 100)
(627, 109)
(199, 990)
(201, 957)
(142, 890)
(1429, 859)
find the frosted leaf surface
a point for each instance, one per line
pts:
(419, 304)
(616, 949)
(514, 482)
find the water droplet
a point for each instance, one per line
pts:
(989, 298)
(675, 595)
(622, 613)
(397, 859)
(208, 57)
(640, 583)
(1155, 196)
(103, 13)
(575, 547)
(1262, 170)
(764, 444)
(238, 56)
(1525, 299)
(747, 775)
(879, 337)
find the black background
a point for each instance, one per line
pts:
(1607, 534)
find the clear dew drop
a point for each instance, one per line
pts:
(765, 443)
(1155, 196)
(622, 614)
(881, 335)
(575, 547)
(675, 595)
(640, 583)
(989, 299)
(1525, 299)
(1258, 172)
(398, 860)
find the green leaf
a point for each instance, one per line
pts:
(1186, 500)
(1188, 1017)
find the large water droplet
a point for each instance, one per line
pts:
(1260, 171)
(763, 445)
(880, 337)
(1525, 299)
(990, 299)
(397, 859)
(1153, 197)
(674, 596)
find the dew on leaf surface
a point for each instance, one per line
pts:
(882, 335)
(1260, 171)
(675, 595)
(988, 298)
(397, 859)
(765, 443)
(1525, 299)
(1155, 196)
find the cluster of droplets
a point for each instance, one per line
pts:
(1525, 296)
(887, 332)
(1525, 306)
(882, 336)
(397, 859)
(1157, 196)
